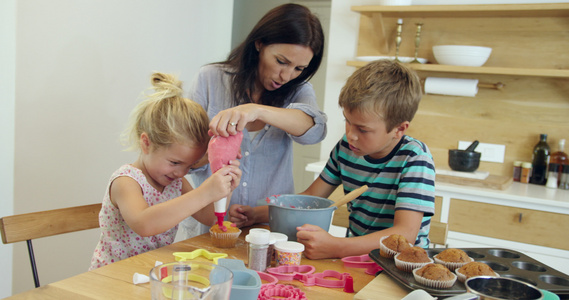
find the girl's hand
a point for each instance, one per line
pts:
(228, 122)
(221, 183)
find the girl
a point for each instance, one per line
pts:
(262, 89)
(146, 200)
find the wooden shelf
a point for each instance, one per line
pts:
(493, 10)
(479, 70)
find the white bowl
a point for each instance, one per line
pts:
(457, 55)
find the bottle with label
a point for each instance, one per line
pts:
(561, 159)
(541, 153)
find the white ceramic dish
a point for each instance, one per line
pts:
(403, 59)
(458, 55)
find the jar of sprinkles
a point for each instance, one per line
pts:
(275, 237)
(288, 253)
(258, 240)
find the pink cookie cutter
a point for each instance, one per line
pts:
(289, 272)
(362, 261)
(321, 279)
(288, 292)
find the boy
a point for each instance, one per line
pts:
(379, 101)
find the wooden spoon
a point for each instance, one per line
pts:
(350, 196)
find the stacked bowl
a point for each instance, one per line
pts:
(458, 55)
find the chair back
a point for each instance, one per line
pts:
(26, 227)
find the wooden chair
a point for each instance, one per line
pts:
(26, 227)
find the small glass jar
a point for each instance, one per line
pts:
(517, 170)
(258, 244)
(274, 238)
(526, 172)
(288, 253)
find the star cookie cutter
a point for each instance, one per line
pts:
(289, 272)
(184, 256)
(362, 261)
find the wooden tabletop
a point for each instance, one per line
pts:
(114, 281)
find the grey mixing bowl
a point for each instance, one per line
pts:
(286, 212)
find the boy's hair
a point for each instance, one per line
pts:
(167, 117)
(386, 88)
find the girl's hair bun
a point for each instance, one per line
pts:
(167, 85)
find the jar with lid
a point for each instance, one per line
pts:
(552, 176)
(275, 237)
(560, 158)
(258, 244)
(526, 172)
(517, 170)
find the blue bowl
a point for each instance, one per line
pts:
(286, 212)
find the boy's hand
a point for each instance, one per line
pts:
(318, 243)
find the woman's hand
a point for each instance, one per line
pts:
(228, 122)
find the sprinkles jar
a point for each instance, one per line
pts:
(288, 253)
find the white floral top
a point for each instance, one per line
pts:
(118, 241)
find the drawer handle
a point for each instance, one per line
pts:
(520, 217)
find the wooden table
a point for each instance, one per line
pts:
(114, 281)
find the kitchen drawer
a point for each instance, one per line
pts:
(509, 223)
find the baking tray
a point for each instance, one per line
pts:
(506, 262)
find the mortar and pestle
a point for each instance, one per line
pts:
(464, 160)
(286, 212)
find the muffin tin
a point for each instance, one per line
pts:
(506, 262)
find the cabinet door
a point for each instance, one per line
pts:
(510, 223)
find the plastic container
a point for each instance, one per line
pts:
(288, 253)
(275, 237)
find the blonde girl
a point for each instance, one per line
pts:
(145, 200)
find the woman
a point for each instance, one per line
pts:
(262, 90)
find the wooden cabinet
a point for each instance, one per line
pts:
(508, 223)
(529, 56)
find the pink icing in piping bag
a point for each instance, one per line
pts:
(221, 150)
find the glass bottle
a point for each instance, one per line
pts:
(541, 153)
(560, 158)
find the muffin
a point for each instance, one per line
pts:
(434, 276)
(452, 258)
(224, 239)
(474, 268)
(389, 246)
(412, 258)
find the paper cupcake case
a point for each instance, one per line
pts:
(462, 277)
(224, 239)
(505, 262)
(451, 265)
(437, 284)
(386, 252)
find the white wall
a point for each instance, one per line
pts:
(79, 68)
(7, 100)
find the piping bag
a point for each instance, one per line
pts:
(220, 151)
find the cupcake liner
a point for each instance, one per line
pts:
(386, 252)
(437, 284)
(452, 265)
(409, 266)
(224, 239)
(462, 278)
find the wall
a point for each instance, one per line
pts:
(7, 102)
(80, 68)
